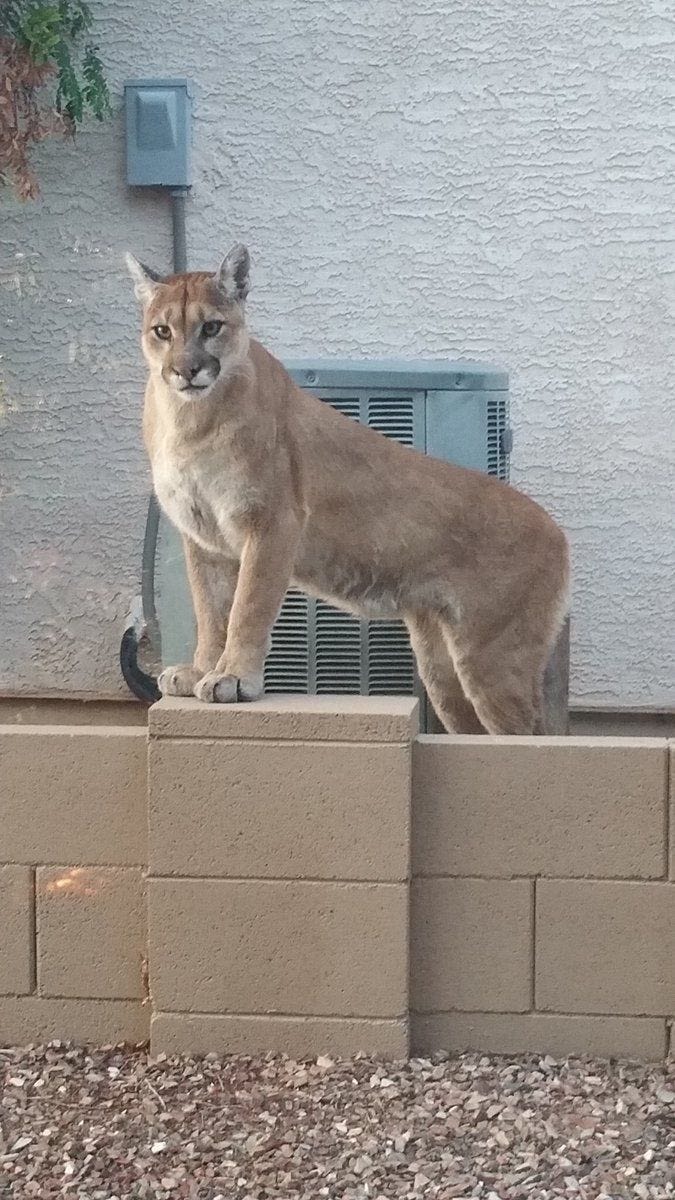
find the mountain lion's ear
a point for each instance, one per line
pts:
(232, 274)
(145, 280)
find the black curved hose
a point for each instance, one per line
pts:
(142, 623)
(143, 686)
(148, 576)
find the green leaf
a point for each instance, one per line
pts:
(69, 98)
(76, 16)
(40, 32)
(95, 89)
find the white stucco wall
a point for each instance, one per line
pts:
(491, 180)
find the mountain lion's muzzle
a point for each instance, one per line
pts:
(191, 373)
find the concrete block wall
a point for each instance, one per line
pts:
(279, 840)
(73, 848)
(308, 875)
(543, 896)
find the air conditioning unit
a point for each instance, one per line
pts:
(457, 411)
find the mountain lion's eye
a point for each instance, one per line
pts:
(163, 332)
(211, 328)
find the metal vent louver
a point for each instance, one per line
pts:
(392, 416)
(349, 405)
(391, 666)
(497, 460)
(338, 651)
(287, 667)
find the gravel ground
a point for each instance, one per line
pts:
(110, 1124)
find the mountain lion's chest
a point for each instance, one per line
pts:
(204, 499)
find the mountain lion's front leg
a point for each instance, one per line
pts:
(264, 575)
(212, 580)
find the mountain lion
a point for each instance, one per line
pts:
(270, 486)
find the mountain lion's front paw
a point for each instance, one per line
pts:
(179, 681)
(228, 689)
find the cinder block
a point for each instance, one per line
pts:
(298, 1037)
(294, 718)
(471, 944)
(605, 947)
(289, 948)
(641, 1038)
(279, 809)
(73, 794)
(539, 806)
(16, 931)
(91, 935)
(29, 710)
(31, 1020)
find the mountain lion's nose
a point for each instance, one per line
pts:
(186, 371)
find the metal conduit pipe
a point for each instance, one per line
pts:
(142, 626)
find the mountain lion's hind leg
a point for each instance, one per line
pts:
(438, 675)
(503, 678)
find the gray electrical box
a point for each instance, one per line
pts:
(158, 116)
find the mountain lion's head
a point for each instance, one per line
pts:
(194, 332)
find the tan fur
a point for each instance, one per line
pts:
(270, 486)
